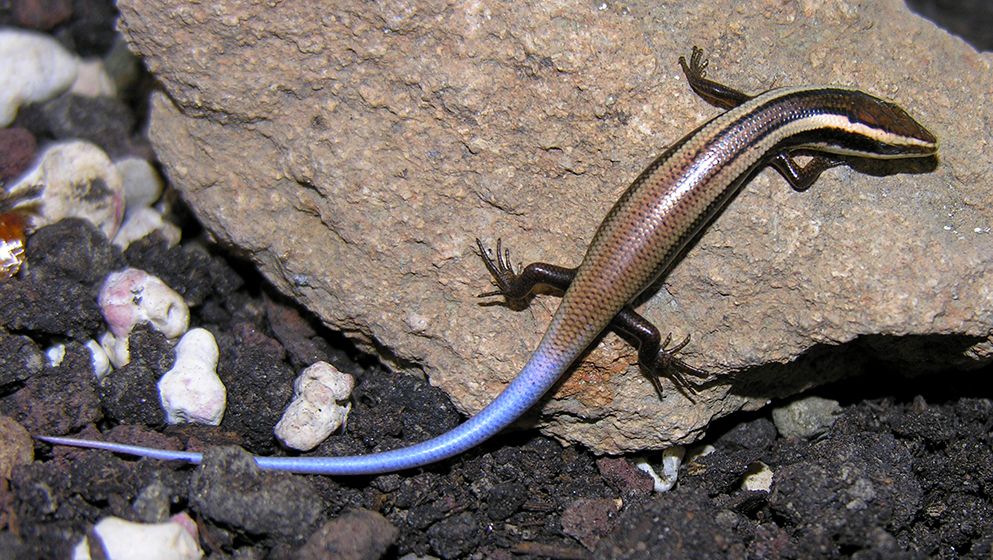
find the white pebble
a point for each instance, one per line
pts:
(118, 350)
(99, 359)
(758, 478)
(92, 80)
(142, 183)
(141, 223)
(118, 539)
(191, 390)
(73, 179)
(133, 296)
(671, 459)
(33, 67)
(55, 354)
(319, 407)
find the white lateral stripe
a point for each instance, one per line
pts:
(842, 122)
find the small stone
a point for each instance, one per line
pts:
(72, 248)
(20, 358)
(758, 478)
(87, 31)
(17, 150)
(142, 183)
(16, 446)
(296, 333)
(191, 391)
(671, 459)
(141, 223)
(504, 499)
(73, 179)
(118, 350)
(57, 400)
(55, 295)
(130, 394)
(589, 519)
(190, 269)
(119, 539)
(230, 489)
(101, 361)
(133, 296)
(55, 354)
(806, 418)
(105, 121)
(92, 80)
(40, 14)
(152, 503)
(122, 65)
(456, 536)
(625, 477)
(33, 67)
(316, 409)
(259, 386)
(353, 536)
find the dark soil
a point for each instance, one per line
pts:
(906, 471)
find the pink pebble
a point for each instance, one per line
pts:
(133, 296)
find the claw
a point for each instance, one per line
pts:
(697, 66)
(676, 348)
(503, 259)
(671, 366)
(499, 265)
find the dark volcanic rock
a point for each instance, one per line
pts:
(20, 358)
(130, 394)
(56, 294)
(104, 121)
(58, 399)
(230, 489)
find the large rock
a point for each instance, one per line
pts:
(355, 151)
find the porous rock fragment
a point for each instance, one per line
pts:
(133, 296)
(120, 539)
(72, 179)
(191, 391)
(319, 406)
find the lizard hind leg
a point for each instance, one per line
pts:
(657, 360)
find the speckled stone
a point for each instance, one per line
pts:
(16, 446)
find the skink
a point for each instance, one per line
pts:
(662, 210)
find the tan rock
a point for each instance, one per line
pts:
(355, 152)
(16, 446)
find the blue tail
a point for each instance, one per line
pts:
(537, 376)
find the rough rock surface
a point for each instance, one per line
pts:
(231, 490)
(355, 153)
